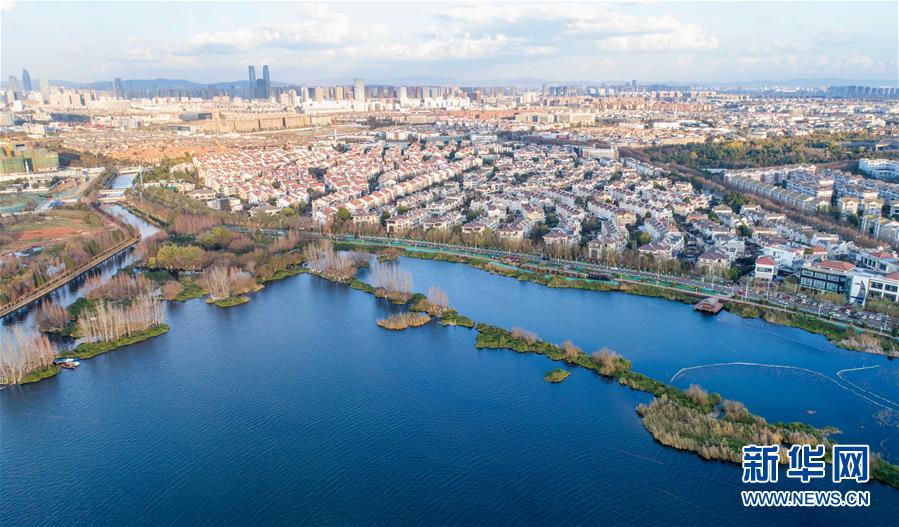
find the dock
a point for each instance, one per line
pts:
(711, 305)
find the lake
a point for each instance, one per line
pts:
(295, 408)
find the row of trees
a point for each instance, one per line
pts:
(818, 148)
(119, 288)
(323, 259)
(391, 280)
(21, 353)
(110, 321)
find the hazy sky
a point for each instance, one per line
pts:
(648, 41)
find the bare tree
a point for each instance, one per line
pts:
(21, 354)
(698, 394)
(171, 289)
(109, 321)
(322, 258)
(571, 351)
(528, 336)
(217, 281)
(51, 317)
(610, 362)
(438, 298)
(395, 282)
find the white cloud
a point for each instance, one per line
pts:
(7, 6)
(613, 30)
(686, 37)
(318, 28)
(457, 46)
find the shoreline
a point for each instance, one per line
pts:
(840, 335)
(87, 350)
(735, 428)
(733, 431)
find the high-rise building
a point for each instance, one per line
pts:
(117, 89)
(45, 88)
(268, 82)
(13, 84)
(252, 90)
(260, 88)
(26, 80)
(401, 95)
(359, 90)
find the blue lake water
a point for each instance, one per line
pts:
(297, 409)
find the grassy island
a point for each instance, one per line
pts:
(455, 319)
(404, 320)
(87, 350)
(556, 376)
(231, 301)
(41, 374)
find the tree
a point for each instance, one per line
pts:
(51, 317)
(217, 281)
(610, 363)
(438, 298)
(395, 282)
(110, 321)
(21, 354)
(321, 258)
(174, 257)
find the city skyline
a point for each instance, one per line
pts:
(667, 42)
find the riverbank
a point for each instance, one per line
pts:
(843, 336)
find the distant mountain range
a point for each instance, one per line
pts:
(163, 83)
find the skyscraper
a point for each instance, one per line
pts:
(359, 90)
(26, 80)
(45, 88)
(252, 91)
(268, 83)
(13, 85)
(117, 89)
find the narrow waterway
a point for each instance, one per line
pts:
(70, 292)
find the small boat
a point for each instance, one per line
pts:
(69, 363)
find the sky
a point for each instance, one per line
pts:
(382, 41)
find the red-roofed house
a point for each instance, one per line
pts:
(765, 268)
